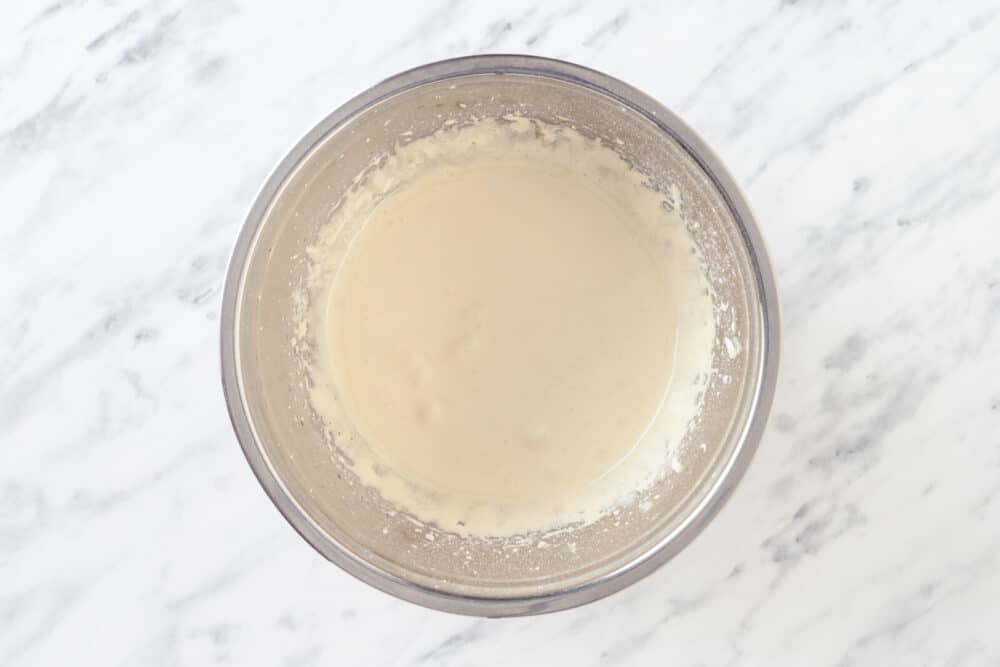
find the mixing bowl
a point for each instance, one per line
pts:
(293, 456)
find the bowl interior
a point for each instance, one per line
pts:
(349, 520)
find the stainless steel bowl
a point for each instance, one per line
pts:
(291, 454)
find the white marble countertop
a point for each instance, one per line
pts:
(133, 137)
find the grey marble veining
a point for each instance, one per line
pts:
(133, 137)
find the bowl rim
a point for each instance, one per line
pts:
(768, 310)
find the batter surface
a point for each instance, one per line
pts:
(511, 330)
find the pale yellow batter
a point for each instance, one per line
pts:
(511, 330)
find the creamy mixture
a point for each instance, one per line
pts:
(511, 330)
